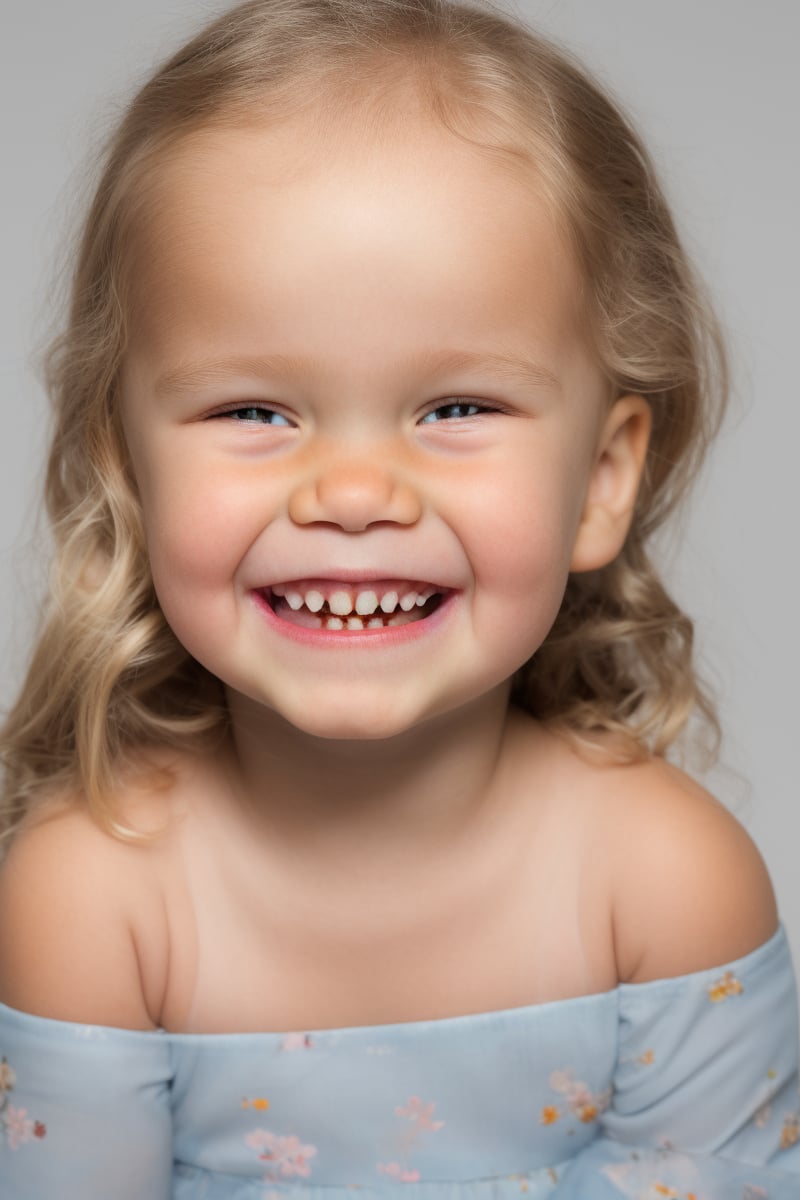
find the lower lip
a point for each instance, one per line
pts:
(350, 639)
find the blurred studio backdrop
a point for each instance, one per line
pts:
(714, 87)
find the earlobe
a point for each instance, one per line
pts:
(613, 485)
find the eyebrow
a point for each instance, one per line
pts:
(188, 378)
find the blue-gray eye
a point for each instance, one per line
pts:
(257, 415)
(453, 411)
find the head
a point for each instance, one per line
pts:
(365, 79)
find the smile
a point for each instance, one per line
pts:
(355, 608)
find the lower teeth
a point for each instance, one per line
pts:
(336, 623)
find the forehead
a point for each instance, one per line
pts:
(323, 220)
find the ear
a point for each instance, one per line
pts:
(613, 484)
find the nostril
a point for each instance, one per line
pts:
(354, 497)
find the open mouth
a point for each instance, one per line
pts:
(323, 604)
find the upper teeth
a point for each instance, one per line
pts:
(342, 603)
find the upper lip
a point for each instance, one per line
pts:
(353, 576)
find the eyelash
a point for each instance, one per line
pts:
(460, 402)
(263, 409)
(284, 422)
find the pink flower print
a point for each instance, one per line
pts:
(296, 1041)
(579, 1095)
(419, 1113)
(287, 1155)
(20, 1128)
(404, 1174)
(420, 1118)
(762, 1115)
(580, 1100)
(15, 1122)
(561, 1081)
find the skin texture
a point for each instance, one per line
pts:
(365, 270)
(310, 310)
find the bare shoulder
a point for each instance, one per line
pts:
(75, 903)
(676, 876)
(690, 889)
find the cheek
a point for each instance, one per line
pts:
(524, 525)
(526, 576)
(195, 528)
(524, 530)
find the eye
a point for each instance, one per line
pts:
(254, 414)
(456, 410)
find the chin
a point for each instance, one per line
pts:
(350, 727)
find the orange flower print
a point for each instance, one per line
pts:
(259, 1104)
(524, 1180)
(579, 1100)
(790, 1133)
(7, 1077)
(727, 986)
(634, 1180)
(646, 1058)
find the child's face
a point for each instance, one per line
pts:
(358, 369)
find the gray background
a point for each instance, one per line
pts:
(714, 87)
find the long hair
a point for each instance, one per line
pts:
(107, 675)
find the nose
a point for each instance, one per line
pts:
(354, 495)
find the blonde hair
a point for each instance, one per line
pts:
(108, 677)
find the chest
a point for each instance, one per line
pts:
(291, 945)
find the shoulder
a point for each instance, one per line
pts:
(674, 878)
(75, 903)
(689, 887)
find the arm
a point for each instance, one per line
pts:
(84, 1107)
(705, 1099)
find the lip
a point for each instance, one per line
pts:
(387, 583)
(354, 576)
(391, 635)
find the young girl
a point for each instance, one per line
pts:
(342, 848)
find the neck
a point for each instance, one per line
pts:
(426, 787)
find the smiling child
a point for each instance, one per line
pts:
(343, 849)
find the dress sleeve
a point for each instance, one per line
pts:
(84, 1111)
(705, 1101)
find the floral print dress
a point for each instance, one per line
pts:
(682, 1088)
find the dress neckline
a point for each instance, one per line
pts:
(777, 943)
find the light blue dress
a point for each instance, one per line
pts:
(681, 1088)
